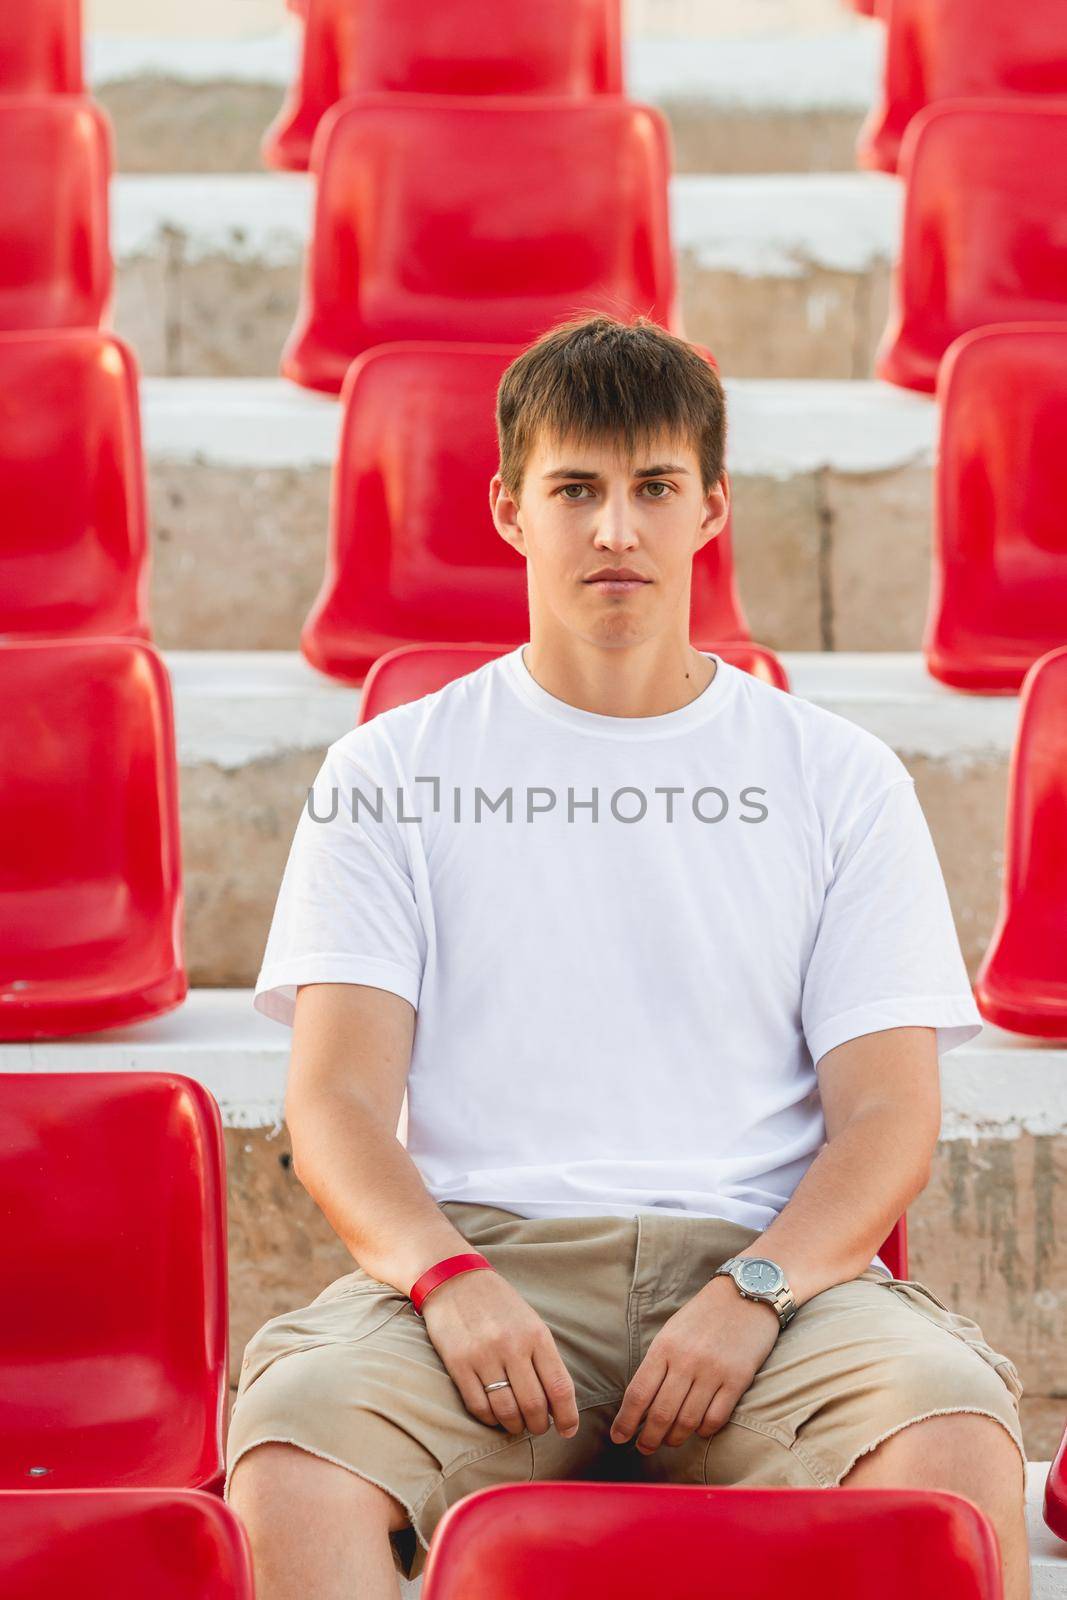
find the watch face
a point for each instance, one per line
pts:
(760, 1275)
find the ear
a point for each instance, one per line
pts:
(505, 512)
(716, 511)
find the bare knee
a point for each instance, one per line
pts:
(964, 1451)
(275, 1478)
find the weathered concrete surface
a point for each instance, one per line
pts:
(988, 1236)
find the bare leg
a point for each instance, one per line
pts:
(317, 1531)
(968, 1454)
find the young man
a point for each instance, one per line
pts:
(664, 959)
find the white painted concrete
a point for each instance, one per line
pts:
(785, 72)
(996, 1087)
(233, 707)
(777, 427)
(758, 225)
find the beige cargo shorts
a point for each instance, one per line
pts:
(354, 1378)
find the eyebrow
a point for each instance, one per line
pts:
(642, 472)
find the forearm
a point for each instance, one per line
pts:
(369, 1189)
(844, 1207)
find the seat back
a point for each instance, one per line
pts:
(465, 250)
(91, 935)
(985, 181)
(55, 266)
(73, 533)
(413, 553)
(557, 47)
(112, 1195)
(521, 1541)
(999, 572)
(960, 49)
(41, 48)
(1021, 981)
(115, 1544)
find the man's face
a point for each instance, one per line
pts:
(585, 510)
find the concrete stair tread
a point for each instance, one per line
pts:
(753, 224)
(779, 427)
(235, 706)
(836, 71)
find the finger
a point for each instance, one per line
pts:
(558, 1386)
(663, 1411)
(692, 1412)
(504, 1405)
(472, 1392)
(529, 1395)
(638, 1397)
(719, 1411)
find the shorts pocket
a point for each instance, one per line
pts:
(923, 1301)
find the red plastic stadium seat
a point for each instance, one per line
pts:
(91, 933)
(1021, 982)
(41, 48)
(986, 183)
(999, 577)
(413, 553)
(55, 264)
(73, 537)
(113, 1202)
(959, 49)
(114, 1544)
(424, 228)
(573, 1540)
(569, 47)
(1055, 1502)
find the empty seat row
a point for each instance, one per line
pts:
(424, 562)
(92, 935)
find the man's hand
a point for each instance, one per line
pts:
(697, 1367)
(483, 1329)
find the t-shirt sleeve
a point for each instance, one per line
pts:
(346, 910)
(886, 952)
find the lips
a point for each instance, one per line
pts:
(623, 576)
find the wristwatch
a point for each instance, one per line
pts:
(759, 1278)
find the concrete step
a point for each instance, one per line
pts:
(769, 103)
(782, 275)
(831, 488)
(252, 727)
(1004, 1105)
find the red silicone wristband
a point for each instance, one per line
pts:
(448, 1268)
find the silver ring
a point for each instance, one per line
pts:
(501, 1383)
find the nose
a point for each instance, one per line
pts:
(615, 526)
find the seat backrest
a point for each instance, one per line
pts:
(986, 181)
(55, 266)
(465, 250)
(112, 1195)
(41, 48)
(999, 572)
(957, 49)
(73, 534)
(413, 553)
(353, 46)
(521, 1541)
(91, 934)
(100, 1544)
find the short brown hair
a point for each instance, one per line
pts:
(596, 378)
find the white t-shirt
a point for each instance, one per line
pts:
(621, 1010)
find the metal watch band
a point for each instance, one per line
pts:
(782, 1299)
